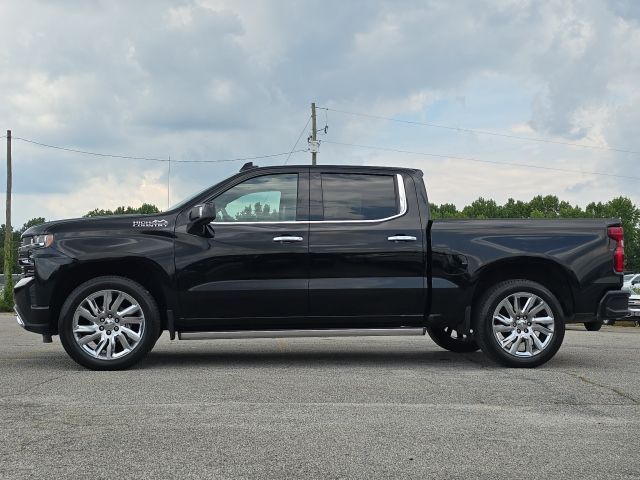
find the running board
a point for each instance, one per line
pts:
(337, 332)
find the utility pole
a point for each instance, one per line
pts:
(7, 295)
(314, 134)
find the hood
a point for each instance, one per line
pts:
(155, 221)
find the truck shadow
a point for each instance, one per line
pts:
(313, 358)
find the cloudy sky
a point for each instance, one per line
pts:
(221, 79)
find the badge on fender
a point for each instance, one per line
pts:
(151, 223)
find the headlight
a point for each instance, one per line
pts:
(41, 241)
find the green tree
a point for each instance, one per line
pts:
(31, 223)
(516, 209)
(258, 212)
(446, 210)
(568, 211)
(548, 207)
(144, 209)
(482, 208)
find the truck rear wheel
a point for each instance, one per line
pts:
(519, 323)
(451, 339)
(109, 323)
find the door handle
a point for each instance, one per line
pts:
(402, 238)
(287, 239)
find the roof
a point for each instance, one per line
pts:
(336, 167)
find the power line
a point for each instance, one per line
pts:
(299, 137)
(238, 159)
(151, 159)
(85, 152)
(483, 132)
(472, 159)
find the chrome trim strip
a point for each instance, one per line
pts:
(23, 281)
(351, 332)
(402, 238)
(284, 222)
(287, 239)
(18, 317)
(402, 196)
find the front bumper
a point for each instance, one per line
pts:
(614, 305)
(30, 316)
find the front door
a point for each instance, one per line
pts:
(253, 273)
(367, 262)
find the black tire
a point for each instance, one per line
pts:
(593, 326)
(484, 317)
(144, 299)
(450, 339)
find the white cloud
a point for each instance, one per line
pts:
(212, 79)
(106, 191)
(180, 17)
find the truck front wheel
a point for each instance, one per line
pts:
(109, 323)
(519, 323)
(451, 339)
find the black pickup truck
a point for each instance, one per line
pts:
(317, 251)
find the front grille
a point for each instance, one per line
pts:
(634, 302)
(24, 256)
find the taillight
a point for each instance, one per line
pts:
(617, 234)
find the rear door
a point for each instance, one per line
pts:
(367, 261)
(253, 272)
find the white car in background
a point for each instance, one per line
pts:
(630, 281)
(632, 285)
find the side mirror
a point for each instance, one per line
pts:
(200, 216)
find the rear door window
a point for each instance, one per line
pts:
(355, 196)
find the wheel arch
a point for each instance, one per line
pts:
(544, 271)
(143, 271)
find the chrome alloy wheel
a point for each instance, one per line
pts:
(523, 324)
(108, 324)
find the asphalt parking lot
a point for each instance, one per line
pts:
(397, 407)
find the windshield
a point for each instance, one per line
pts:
(187, 200)
(182, 203)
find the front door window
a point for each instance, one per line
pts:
(269, 198)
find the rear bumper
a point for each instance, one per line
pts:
(614, 305)
(30, 317)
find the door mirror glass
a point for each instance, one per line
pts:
(200, 216)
